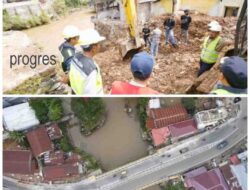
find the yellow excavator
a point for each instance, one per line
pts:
(132, 45)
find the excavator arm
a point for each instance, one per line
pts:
(134, 43)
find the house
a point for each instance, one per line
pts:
(39, 141)
(163, 117)
(19, 162)
(60, 172)
(19, 117)
(182, 129)
(160, 136)
(210, 117)
(201, 179)
(240, 172)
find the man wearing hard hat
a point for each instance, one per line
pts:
(211, 47)
(71, 35)
(84, 74)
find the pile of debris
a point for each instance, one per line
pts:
(175, 70)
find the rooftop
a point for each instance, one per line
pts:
(183, 128)
(209, 180)
(165, 116)
(54, 131)
(160, 135)
(18, 162)
(19, 117)
(59, 172)
(230, 178)
(39, 141)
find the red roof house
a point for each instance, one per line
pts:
(60, 172)
(54, 158)
(231, 180)
(165, 116)
(209, 180)
(19, 162)
(235, 160)
(39, 141)
(160, 135)
(182, 129)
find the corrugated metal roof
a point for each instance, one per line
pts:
(19, 117)
(160, 135)
(18, 162)
(39, 141)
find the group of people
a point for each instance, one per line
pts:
(152, 39)
(85, 76)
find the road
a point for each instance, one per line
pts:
(156, 168)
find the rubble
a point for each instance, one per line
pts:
(176, 69)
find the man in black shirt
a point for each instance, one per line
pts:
(146, 33)
(185, 22)
(169, 25)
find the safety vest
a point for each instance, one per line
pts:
(209, 53)
(80, 69)
(221, 92)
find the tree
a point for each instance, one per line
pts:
(177, 186)
(89, 112)
(141, 111)
(189, 104)
(47, 109)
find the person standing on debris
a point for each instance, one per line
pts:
(146, 34)
(169, 25)
(67, 48)
(84, 74)
(212, 46)
(141, 66)
(155, 41)
(185, 22)
(233, 77)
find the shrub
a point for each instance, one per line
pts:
(47, 109)
(44, 18)
(89, 112)
(141, 112)
(6, 21)
(18, 23)
(34, 21)
(60, 7)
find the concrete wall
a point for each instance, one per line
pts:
(210, 7)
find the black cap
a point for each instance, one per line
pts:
(234, 70)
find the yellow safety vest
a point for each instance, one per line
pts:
(209, 53)
(80, 69)
(221, 92)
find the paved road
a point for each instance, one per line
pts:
(158, 167)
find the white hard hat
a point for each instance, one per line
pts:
(70, 31)
(215, 28)
(213, 22)
(90, 36)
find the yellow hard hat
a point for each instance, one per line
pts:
(90, 36)
(70, 31)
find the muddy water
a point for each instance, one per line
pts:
(49, 37)
(118, 141)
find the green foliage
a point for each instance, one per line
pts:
(44, 18)
(91, 162)
(60, 7)
(189, 104)
(64, 142)
(19, 137)
(17, 23)
(88, 111)
(141, 111)
(6, 21)
(55, 109)
(177, 186)
(47, 109)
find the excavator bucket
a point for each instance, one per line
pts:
(130, 47)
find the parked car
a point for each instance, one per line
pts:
(222, 145)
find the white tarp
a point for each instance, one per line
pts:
(19, 117)
(154, 103)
